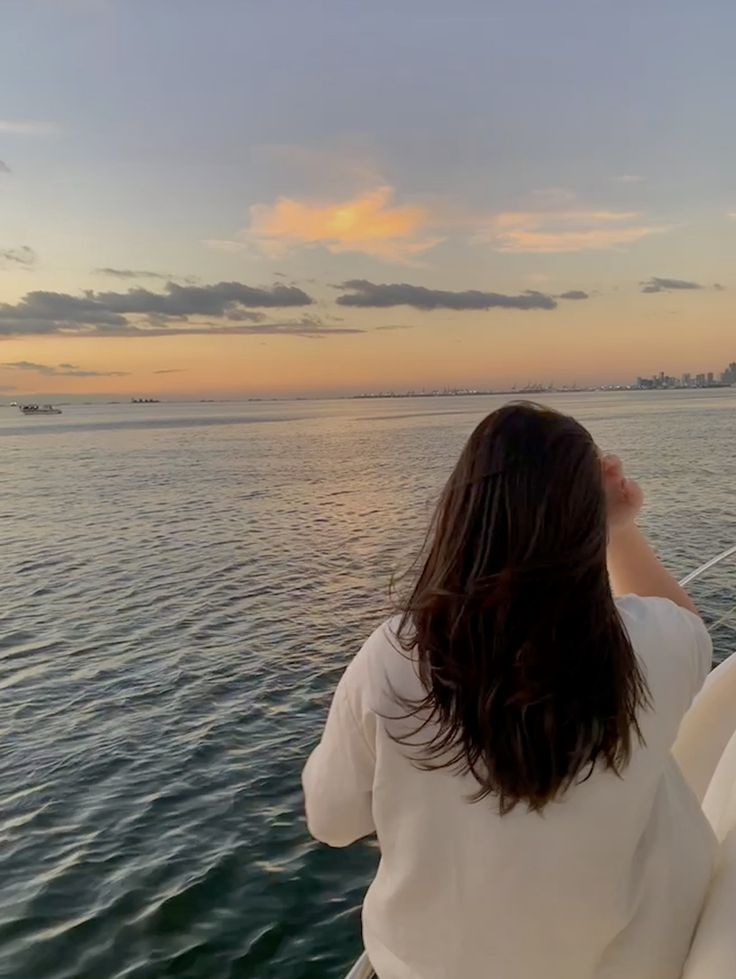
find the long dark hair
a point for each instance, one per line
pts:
(530, 677)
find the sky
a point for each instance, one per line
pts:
(274, 197)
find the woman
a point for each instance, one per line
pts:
(508, 736)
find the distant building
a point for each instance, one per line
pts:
(660, 381)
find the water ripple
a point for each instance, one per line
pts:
(180, 592)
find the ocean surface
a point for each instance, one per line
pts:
(181, 588)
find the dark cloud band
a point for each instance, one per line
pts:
(226, 308)
(133, 274)
(18, 256)
(62, 370)
(658, 284)
(369, 295)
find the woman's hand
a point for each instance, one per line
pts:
(624, 497)
(633, 566)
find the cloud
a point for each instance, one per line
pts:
(28, 127)
(23, 256)
(732, 215)
(307, 326)
(629, 178)
(574, 294)
(216, 310)
(372, 223)
(368, 295)
(657, 284)
(244, 316)
(556, 223)
(176, 301)
(4, 168)
(62, 370)
(368, 223)
(172, 370)
(220, 309)
(220, 299)
(569, 231)
(137, 274)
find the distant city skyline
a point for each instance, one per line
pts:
(380, 196)
(688, 379)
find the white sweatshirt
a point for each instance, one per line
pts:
(606, 884)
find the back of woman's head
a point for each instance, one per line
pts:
(529, 675)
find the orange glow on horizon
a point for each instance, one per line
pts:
(609, 339)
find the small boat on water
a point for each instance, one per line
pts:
(40, 410)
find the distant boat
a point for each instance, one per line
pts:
(40, 410)
(144, 401)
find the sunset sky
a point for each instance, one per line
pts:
(240, 197)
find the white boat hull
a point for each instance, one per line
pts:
(706, 751)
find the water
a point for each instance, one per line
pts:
(181, 587)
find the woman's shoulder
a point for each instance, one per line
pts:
(385, 635)
(386, 648)
(672, 644)
(384, 665)
(649, 620)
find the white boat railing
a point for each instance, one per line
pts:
(363, 968)
(708, 565)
